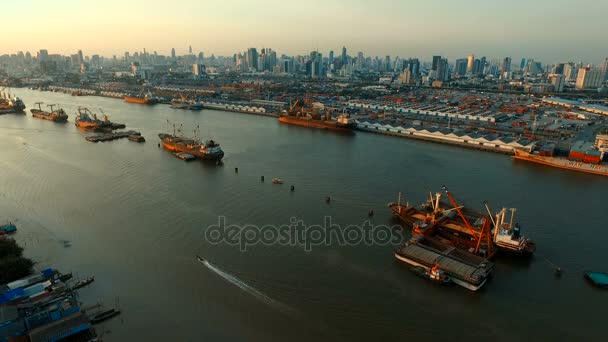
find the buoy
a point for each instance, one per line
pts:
(262, 178)
(293, 188)
(558, 272)
(236, 170)
(370, 213)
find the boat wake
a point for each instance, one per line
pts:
(246, 287)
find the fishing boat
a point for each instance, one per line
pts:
(88, 120)
(8, 228)
(103, 316)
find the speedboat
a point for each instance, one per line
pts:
(277, 181)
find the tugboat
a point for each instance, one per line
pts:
(206, 150)
(58, 115)
(434, 274)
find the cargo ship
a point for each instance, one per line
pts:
(87, 120)
(11, 104)
(206, 150)
(145, 99)
(317, 116)
(58, 115)
(581, 158)
(466, 229)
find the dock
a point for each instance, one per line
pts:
(113, 136)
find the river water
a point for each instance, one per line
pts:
(136, 218)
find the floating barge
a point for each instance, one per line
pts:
(464, 269)
(114, 136)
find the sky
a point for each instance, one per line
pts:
(546, 30)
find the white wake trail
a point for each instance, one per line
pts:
(246, 287)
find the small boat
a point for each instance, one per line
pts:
(83, 282)
(434, 274)
(100, 317)
(599, 279)
(184, 156)
(136, 138)
(277, 181)
(8, 228)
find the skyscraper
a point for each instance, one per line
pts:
(506, 65)
(482, 66)
(43, 55)
(522, 65)
(190, 49)
(173, 53)
(344, 56)
(359, 60)
(80, 57)
(589, 78)
(436, 60)
(442, 69)
(460, 67)
(569, 71)
(331, 58)
(605, 68)
(470, 63)
(252, 58)
(557, 80)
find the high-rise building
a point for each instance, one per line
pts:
(442, 69)
(344, 56)
(359, 60)
(505, 66)
(190, 49)
(482, 66)
(198, 69)
(80, 57)
(252, 58)
(522, 64)
(589, 78)
(558, 81)
(570, 71)
(43, 55)
(460, 67)
(435, 62)
(470, 63)
(605, 68)
(331, 58)
(173, 53)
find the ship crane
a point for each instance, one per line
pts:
(466, 222)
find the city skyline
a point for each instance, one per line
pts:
(533, 30)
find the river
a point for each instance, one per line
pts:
(136, 218)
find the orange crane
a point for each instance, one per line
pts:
(457, 207)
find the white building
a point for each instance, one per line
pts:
(589, 78)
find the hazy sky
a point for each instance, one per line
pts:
(547, 30)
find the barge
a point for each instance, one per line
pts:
(464, 269)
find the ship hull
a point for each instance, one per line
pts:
(184, 148)
(562, 163)
(48, 116)
(138, 100)
(316, 124)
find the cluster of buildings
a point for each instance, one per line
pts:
(529, 75)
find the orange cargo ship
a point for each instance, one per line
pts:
(139, 100)
(562, 163)
(317, 117)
